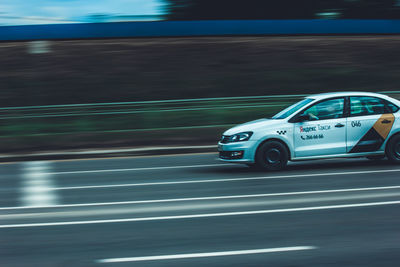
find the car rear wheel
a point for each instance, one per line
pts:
(393, 149)
(272, 156)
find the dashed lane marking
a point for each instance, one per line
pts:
(37, 187)
(207, 254)
(208, 198)
(196, 216)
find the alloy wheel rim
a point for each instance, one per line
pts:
(273, 156)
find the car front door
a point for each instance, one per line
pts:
(324, 132)
(368, 124)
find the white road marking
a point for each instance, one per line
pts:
(36, 190)
(308, 175)
(237, 205)
(207, 198)
(206, 254)
(206, 215)
(142, 169)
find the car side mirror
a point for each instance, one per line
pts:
(304, 117)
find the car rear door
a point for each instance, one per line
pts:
(368, 124)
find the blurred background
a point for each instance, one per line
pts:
(128, 73)
(85, 79)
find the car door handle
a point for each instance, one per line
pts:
(339, 125)
(386, 121)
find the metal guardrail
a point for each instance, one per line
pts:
(117, 108)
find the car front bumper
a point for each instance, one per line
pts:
(238, 152)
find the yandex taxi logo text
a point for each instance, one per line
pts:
(308, 129)
(314, 128)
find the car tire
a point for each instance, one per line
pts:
(377, 157)
(272, 156)
(393, 149)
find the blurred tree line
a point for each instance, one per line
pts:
(281, 9)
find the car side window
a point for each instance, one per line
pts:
(366, 105)
(325, 110)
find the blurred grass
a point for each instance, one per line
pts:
(131, 124)
(189, 122)
(199, 122)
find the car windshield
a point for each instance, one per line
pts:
(291, 109)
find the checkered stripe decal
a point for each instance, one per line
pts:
(281, 132)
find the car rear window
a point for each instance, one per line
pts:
(392, 108)
(366, 105)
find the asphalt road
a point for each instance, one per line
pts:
(191, 210)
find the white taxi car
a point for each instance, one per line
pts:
(332, 125)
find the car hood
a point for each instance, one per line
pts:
(253, 126)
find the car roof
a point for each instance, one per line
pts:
(341, 94)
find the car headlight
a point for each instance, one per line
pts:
(239, 137)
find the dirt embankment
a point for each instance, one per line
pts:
(83, 71)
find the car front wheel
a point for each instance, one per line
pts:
(272, 156)
(393, 149)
